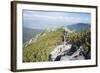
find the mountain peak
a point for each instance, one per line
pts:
(79, 27)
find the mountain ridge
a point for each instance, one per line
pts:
(79, 27)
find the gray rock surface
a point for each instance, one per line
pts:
(60, 53)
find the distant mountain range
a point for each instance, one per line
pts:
(79, 27)
(29, 33)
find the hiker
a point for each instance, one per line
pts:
(65, 34)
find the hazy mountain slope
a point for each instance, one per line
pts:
(79, 27)
(29, 33)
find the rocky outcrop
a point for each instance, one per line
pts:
(59, 50)
(63, 53)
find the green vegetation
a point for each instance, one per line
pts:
(82, 39)
(39, 50)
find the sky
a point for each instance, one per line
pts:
(48, 19)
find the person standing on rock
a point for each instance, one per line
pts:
(65, 34)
